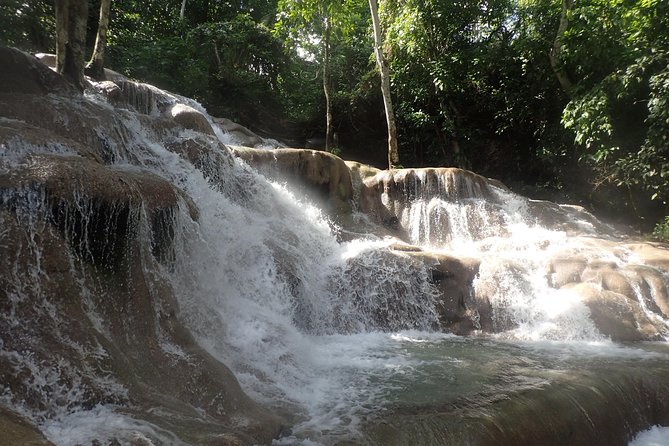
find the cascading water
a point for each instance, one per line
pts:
(340, 339)
(259, 274)
(515, 239)
(259, 278)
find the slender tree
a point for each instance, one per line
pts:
(393, 152)
(96, 67)
(557, 62)
(323, 21)
(71, 19)
(329, 127)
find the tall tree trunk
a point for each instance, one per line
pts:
(183, 9)
(329, 131)
(555, 54)
(393, 151)
(71, 19)
(96, 66)
(62, 16)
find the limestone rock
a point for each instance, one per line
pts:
(190, 118)
(461, 311)
(86, 306)
(321, 175)
(387, 196)
(238, 133)
(22, 73)
(627, 297)
(50, 61)
(16, 431)
(616, 316)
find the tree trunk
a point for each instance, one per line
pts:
(393, 151)
(71, 19)
(555, 54)
(62, 16)
(326, 87)
(96, 66)
(183, 9)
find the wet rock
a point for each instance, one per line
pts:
(16, 431)
(206, 153)
(616, 316)
(95, 206)
(50, 61)
(564, 270)
(87, 314)
(650, 253)
(390, 195)
(321, 175)
(24, 74)
(460, 310)
(239, 134)
(189, 118)
(627, 297)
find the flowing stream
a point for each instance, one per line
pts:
(337, 336)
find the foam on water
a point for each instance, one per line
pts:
(655, 436)
(105, 422)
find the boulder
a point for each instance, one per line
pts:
(460, 310)
(616, 316)
(627, 293)
(24, 74)
(189, 118)
(320, 175)
(50, 61)
(239, 134)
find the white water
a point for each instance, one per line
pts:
(515, 239)
(266, 288)
(655, 436)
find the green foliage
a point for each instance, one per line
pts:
(27, 25)
(619, 113)
(226, 65)
(474, 85)
(661, 230)
(472, 82)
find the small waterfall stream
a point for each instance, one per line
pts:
(341, 339)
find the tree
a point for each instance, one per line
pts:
(27, 25)
(555, 54)
(393, 151)
(316, 25)
(96, 64)
(71, 20)
(618, 110)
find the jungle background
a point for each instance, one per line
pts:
(566, 100)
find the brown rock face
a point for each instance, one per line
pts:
(321, 175)
(460, 310)
(16, 431)
(24, 74)
(189, 118)
(239, 133)
(625, 292)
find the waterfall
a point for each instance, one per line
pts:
(259, 277)
(154, 289)
(516, 241)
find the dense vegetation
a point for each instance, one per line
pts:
(560, 97)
